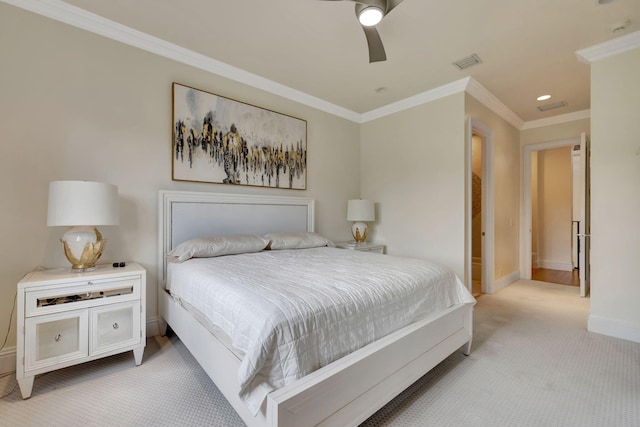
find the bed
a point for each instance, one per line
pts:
(344, 392)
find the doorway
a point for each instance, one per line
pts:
(476, 213)
(532, 249)
(552, 215)
(479, 208)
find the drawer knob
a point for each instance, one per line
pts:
(115, 326)
(58, 337)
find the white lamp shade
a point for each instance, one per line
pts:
(73, 203)
(360, 210)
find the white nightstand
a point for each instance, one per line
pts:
(364, 247)
(65, 318)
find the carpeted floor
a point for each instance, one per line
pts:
(532, 364)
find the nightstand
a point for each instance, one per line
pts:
(364, 247)
(65, 318)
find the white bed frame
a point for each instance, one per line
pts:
(344, 393)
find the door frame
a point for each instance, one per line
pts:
(474, 126)
(525, 201)
(585, 216)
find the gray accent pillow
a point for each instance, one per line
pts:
(217, 246)
(297, 240)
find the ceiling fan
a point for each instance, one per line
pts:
(370, 13)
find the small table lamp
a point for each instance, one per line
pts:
(82, 205)
(359, 210)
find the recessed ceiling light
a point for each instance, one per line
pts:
(543, 97)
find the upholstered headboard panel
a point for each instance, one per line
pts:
(186, 215)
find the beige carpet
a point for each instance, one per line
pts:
(533, 364)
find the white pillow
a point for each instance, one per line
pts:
(217, 246)
(299, 240)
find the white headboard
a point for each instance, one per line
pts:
(184, 215)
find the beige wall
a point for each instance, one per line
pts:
(554, 202)
(506, 188)
(615, 195)
(75, 105)
(413, 168)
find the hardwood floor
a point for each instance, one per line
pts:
(571, 278)
(476, 288)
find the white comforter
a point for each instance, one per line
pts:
(293, 311)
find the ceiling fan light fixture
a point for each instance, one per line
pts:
(370, 16)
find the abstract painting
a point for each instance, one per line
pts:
(220, 140)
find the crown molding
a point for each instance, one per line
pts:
(63, 12)
(414, 101)
(80, 18)
(564, 118)
(609, 48)
(479, 92)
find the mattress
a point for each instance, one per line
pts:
(291, 312)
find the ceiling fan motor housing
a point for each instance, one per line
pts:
(366, 4)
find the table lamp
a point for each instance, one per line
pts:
(359, 211)
(82, 205)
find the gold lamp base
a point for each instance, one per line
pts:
(359, 231)
(83, 247)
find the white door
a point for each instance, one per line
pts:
(584, 237)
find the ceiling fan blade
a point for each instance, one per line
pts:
(376, 49)
(391, 4)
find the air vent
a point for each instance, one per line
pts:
(552, 106)
(467, 62)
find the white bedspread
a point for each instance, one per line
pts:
(293, 311)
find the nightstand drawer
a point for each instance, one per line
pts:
(115, 326)
(83, 294)
(55, 339)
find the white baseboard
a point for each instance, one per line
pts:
(152, 327)
(505, 281)
(614, 328)
(7, 360)
(554, 265)
(8, 355)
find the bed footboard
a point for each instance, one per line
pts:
(344, 393)
(353, 388)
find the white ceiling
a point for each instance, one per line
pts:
(528, 48)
